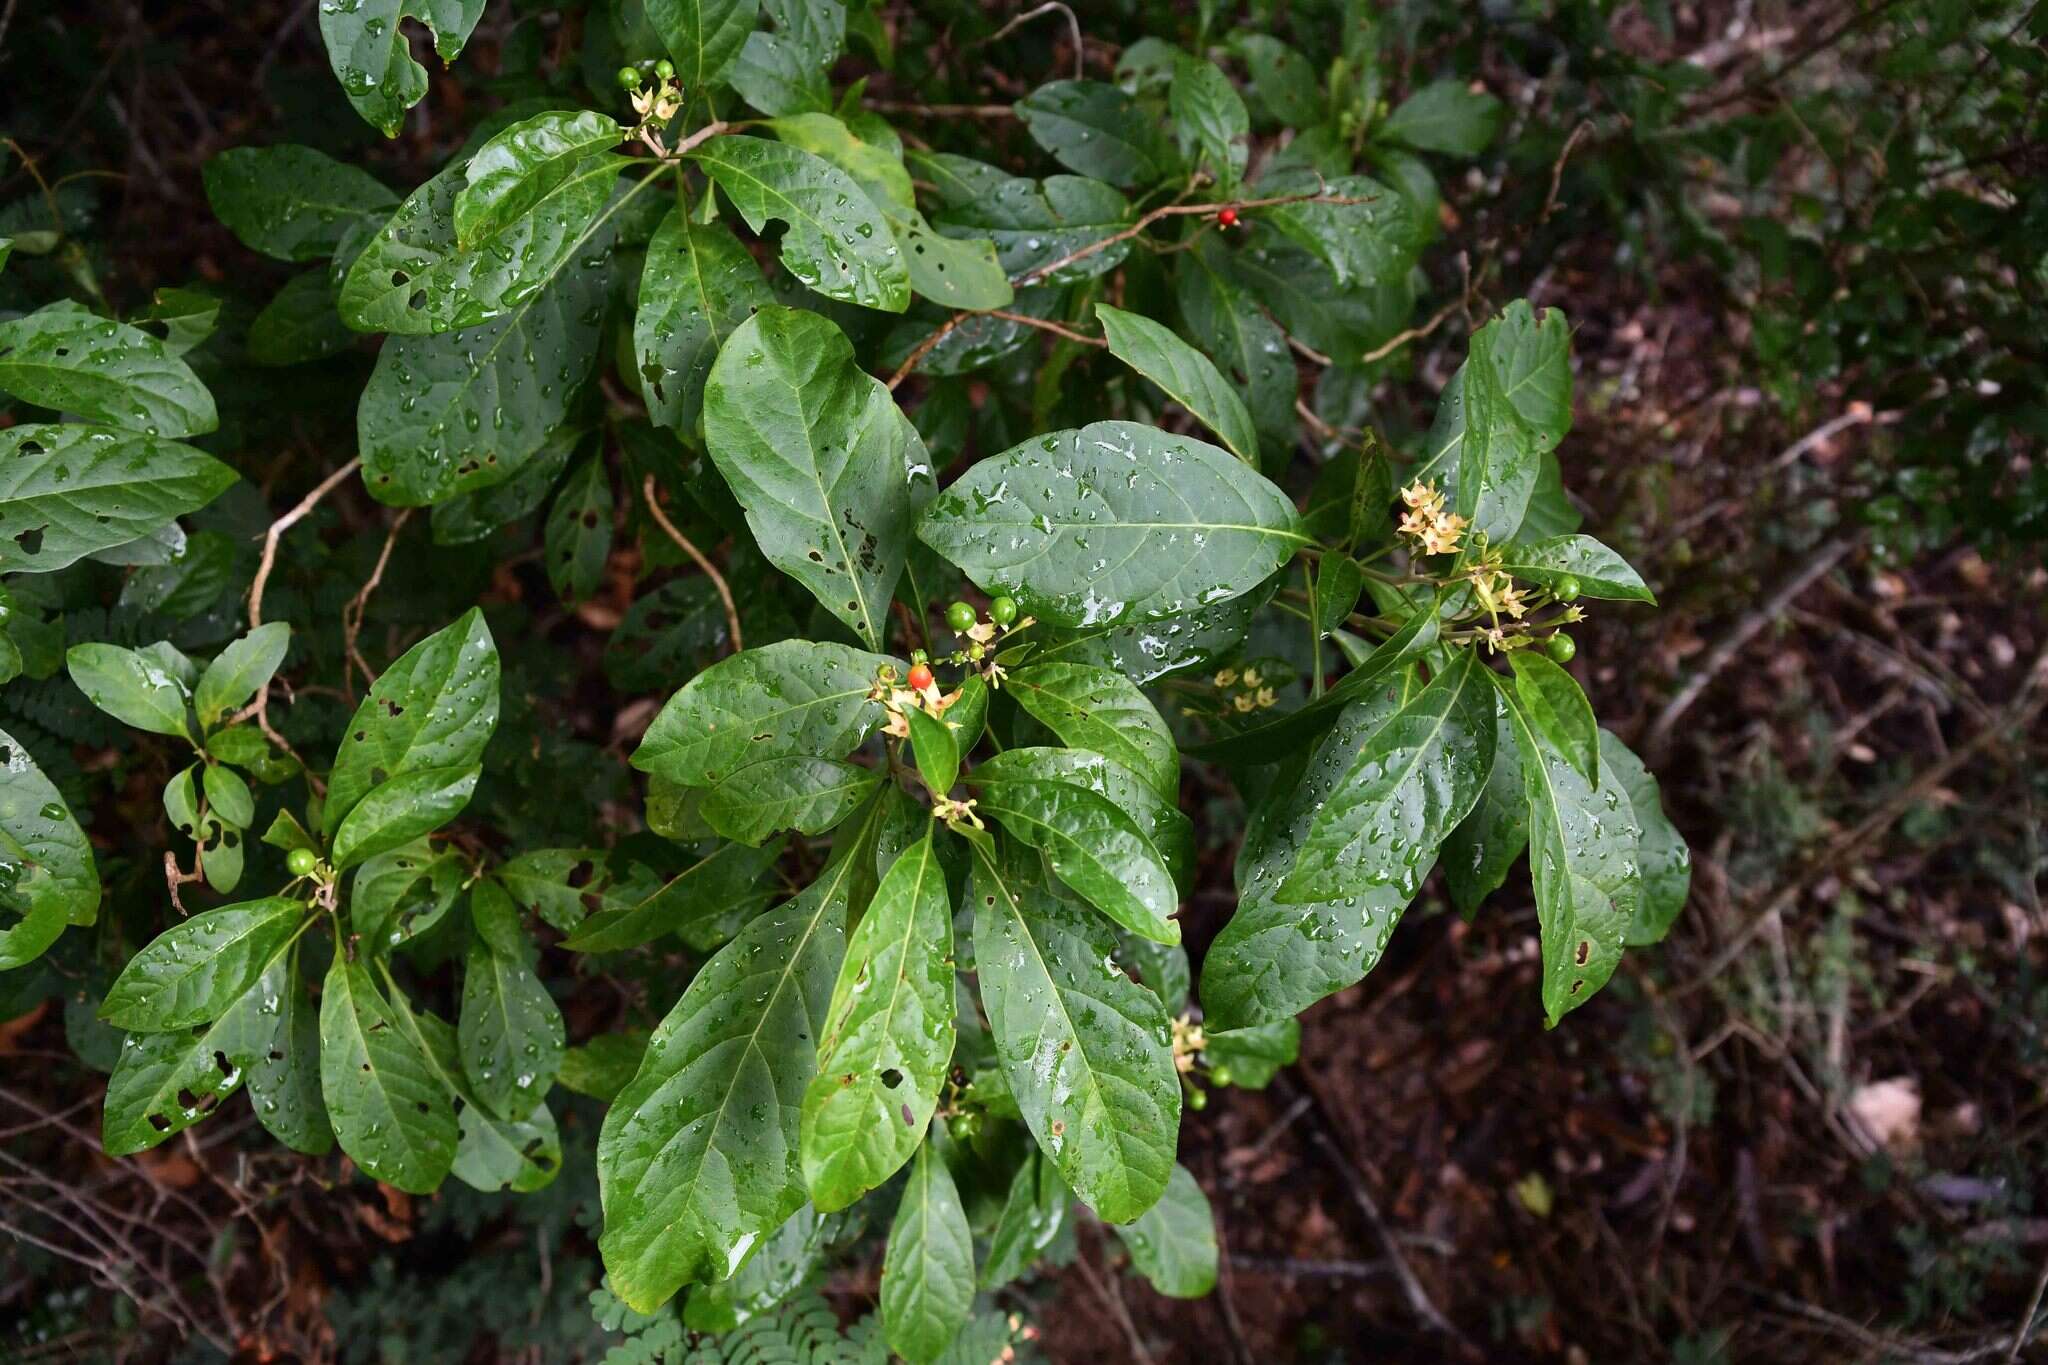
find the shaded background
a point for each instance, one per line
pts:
(1811, 1126)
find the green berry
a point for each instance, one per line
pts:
(301, 861)
(665, 69)
(1561, 647)
(1198, 1099)
(960, 617)
(1003, 610)
(1567, 589)
(629, 78)
(1219, 1075)
(963, 1126)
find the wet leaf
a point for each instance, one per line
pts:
(1097, 130)
(793, 697)
(132, 687)
(1479, 852)
(928, 1270)
(240, 671)
(293, 202)
(1113, 522)
(1557, 706)
(1085, 1048)
(192, 972)
(1173, 1244)
(802, 792)
(512, 174)
(1445, 116)
(1601, 572)
(510, 1030)
(1187, 376)
(392, 1112)
(370, 51)
(47, 874)
(1096, 708)
(818, 454)
(1661, 853)
(66, 358)
(697, 286)
(887, 1038)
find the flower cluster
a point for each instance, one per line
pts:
(897, 698)
(1427, 523)
(1256, 696)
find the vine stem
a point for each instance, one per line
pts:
(285, 523)
(732, 615)
(352, 614)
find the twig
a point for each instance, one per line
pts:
(1308, 352)
(283, 524)
(943, 110)
(1106, 1290)
(1857, 415)
(732, 614)
(1044, 325)
(2025, 1330)
(1400, 339)
(1557, 168)
(1815, 566)
(1073, 27)
(925, 348)
(352, 614)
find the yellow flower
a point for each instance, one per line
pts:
(1242, 701)
(1251, 677)
(1442, 536)
(1266, 698)
(1227, 678)
(1423, 497)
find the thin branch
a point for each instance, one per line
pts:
(283, 524)
(1557, 168)
(1400, 339)
(1049, 7)
(352, 614)
(942, 110)
(925, 348)
(732, 615)
(1044, 325)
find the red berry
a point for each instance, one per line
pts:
(920, 677)
(1228, 217)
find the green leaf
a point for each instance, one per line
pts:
(193, 971)
(818, 454)
(1479, 852)
(416, 279)
(240, 671)
(1091, 844)
(1254, 1055)
(1369, 239)
(797, 791)
(1282, 78)
(723, 880)
(1090, 707)
(774, 77)
(1187, 376)
(512, 174)
(228, 795)
(163, 1083)
(1033, 223)
(1411, 780)
(66, 358)
(928, 1269)
(401, 894)
(47, 874)
(603, 1067)
(510, 1029)
(467, 412)
(1173, 1243)
(579, 532)
(1445, 116)
(390, 1108)
(887, 1038)
(1555, 704)
(491, 1154)
(697, 286)
(1247, 345)
(1600, 571)
(1334, 592)
(1097, 130)
(300, 323)
(698, 1158)
(1209, 121)
(433, 709)
(1113, 522)
(958, 273)
(1503, 412)
(1276, 739)
(293, 202)
(1661, 854)
(132, 688)
(1086, 1049)
(836, 243)
(284, 1077)
(792, 697)
(1158, 817)
(369, 47)
(703, 36)
(397, 812)
(1272, 960)
(1582, 859)
(936, 749)
(1032, 1217)
(74, 490)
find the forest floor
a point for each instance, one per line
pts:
(1810, 1126)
